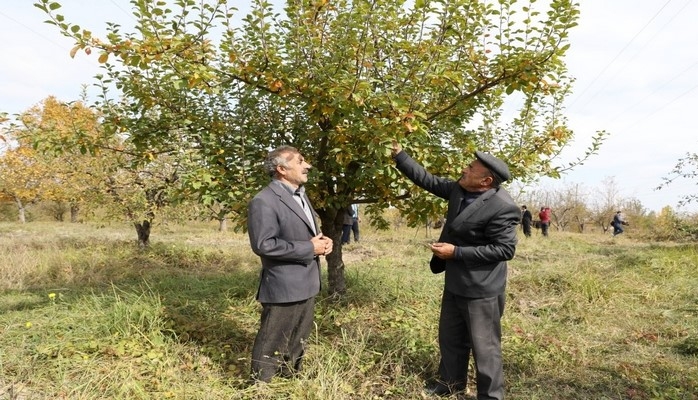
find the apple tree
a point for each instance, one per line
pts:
(339, 80)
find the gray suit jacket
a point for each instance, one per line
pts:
(484, 233)
(280, 235)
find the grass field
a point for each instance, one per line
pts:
(85, 314)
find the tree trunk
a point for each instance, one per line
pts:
(20, 209)
(222, 224)
(74, 212)
(332, 227)
(143, 231)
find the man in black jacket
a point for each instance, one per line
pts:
(477, 240)
(526, 220)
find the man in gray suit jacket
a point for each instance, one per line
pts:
(285, 235)
(478, 238)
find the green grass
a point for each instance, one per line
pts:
(86, 314)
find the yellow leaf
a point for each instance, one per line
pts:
(276, 85)
(74, 51)
(103, 58)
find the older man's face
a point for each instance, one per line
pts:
(296, 170)
(476, 177)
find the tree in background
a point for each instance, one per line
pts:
(666, 225)
(21, 174)
(144, 193)
(569, 208)
(75, 179)
(339, 80)
(28, 173)
(607, 202)
(61, 155)
(686, 168)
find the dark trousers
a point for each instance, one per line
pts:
(281, 339)
(544, 228)
(617, 229)
(467, 325)
(346, 233)
(355, 229)
(526, 226)
(348, 229)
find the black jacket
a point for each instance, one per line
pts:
(484, 233)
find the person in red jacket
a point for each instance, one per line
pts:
(544, 216)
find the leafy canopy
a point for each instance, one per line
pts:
(339, 80)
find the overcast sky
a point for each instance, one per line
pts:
(636, 65)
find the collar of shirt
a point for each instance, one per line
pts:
(468, 198)
(288, 188)
(471, 196)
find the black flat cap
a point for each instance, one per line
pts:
(498, 167)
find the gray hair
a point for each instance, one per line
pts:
(279, 157)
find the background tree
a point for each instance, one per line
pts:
(21, 176)
(686, 168)
(26, 174)
(666, 225)
(569, 210)
(607, 201)
(77, 179)
(142, 194)
(339, 80)
(60, 154)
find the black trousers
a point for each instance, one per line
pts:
(280, 343)
(472, 325)
(355, 229)
(526, 226)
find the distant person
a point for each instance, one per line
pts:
(618, 223)
(285, 235)
(526, 220)
(544, 216)
(477, 240)
(347, 224)
(355, 222)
